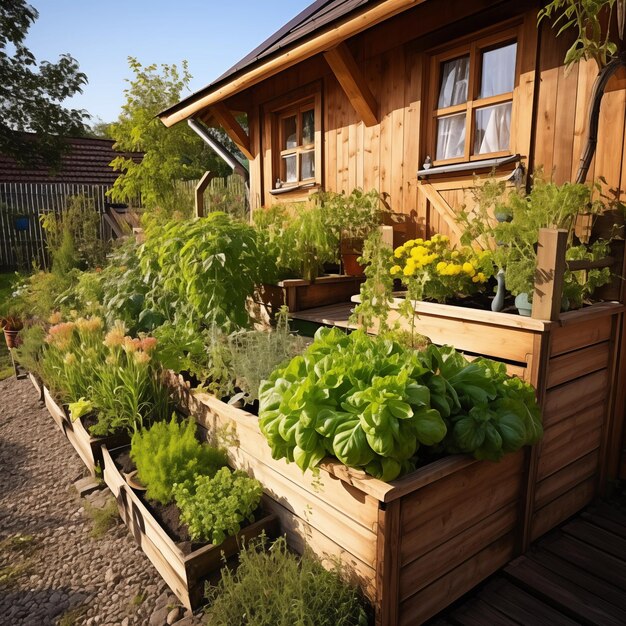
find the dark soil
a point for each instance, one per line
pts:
(89, 421)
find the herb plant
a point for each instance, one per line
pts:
(372, 403)
(168, 453)
(255, 354)
(215, 507)
(274, 587)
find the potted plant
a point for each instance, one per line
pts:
(11, 325)
(353, 217)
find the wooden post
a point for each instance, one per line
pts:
(199, 192)
(549, 273)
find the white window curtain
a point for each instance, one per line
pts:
(498, 71)
(454, 80)
(493, 129)
(451, 137)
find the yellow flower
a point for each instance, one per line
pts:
(409, 270)
(455, 254)
(395, 269)
(481, 277)
(454, 269)
(468, 268)
(409, 244)
(475, 279)
(115, 337)
(141, 357)
(441, 266)
(419, 240)
(398, 252)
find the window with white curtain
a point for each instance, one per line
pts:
(474, 98)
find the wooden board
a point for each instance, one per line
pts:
(182, 572)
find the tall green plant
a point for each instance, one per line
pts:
(207, 266)
(168, 453)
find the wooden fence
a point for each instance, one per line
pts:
(228, 194)
(22, 240)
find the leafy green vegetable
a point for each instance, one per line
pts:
(373, 403)
(215, 507)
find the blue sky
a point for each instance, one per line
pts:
(212, 35)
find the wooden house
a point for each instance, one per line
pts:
(415, 98)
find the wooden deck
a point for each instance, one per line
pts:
(574, 575)
(333, 315)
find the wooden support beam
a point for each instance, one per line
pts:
(549, 273)
(319, 43)
(203, 183)
(232, 127)
(353, 83)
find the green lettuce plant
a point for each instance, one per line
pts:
(374, 404)
(215, 507)
(168, 453)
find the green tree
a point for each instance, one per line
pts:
(170, 154)
(31, 93)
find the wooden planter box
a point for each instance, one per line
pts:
(88, 448)
(37, 385)
(184, 573)
(571, 364)
(413, 545)
(299, 294)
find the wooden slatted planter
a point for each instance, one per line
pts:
(89, 448)
(37, 385)
(299, 294)
(184, 573)
(413, 545)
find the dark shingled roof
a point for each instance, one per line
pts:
(317, 16)
(87, 162)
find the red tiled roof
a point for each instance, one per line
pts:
(87, 162)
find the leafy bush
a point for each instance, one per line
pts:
(208, 265)
(215, 507)
(274, 587)
(168, 453)
(302, 240)
(373, 403)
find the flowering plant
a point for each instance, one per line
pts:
(434, 269)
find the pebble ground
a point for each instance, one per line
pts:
(52, 570)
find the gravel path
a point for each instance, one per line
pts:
(52, 571)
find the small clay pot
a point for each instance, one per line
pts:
(10, 336)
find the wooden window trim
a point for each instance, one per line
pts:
(474, 48)
(296, 102)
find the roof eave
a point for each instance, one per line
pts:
(318, 43)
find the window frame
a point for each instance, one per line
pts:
(474, 48)
(277, 111)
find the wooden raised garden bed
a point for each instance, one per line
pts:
(413, 545)
(184, 573)
(299, 294)
(37, 385)
(88, 448)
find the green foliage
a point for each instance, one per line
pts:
(170, 154)
(372, 403)
(126, 390)
(206, 267)
(586, 19)
(579, 286)
(36, 295)
(103, 519)
(123, 290)
(32, 93)
(548, 205)
(28, 354)
(255, 354)
(353, 215)
(215, 507)
(168, 453)
(299, 237)
(73, 236)
(273, 587)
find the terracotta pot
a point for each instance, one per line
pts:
(10, 336)
(351, 266)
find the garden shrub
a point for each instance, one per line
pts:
(168, 453)
(215, 507)
(274, 587)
